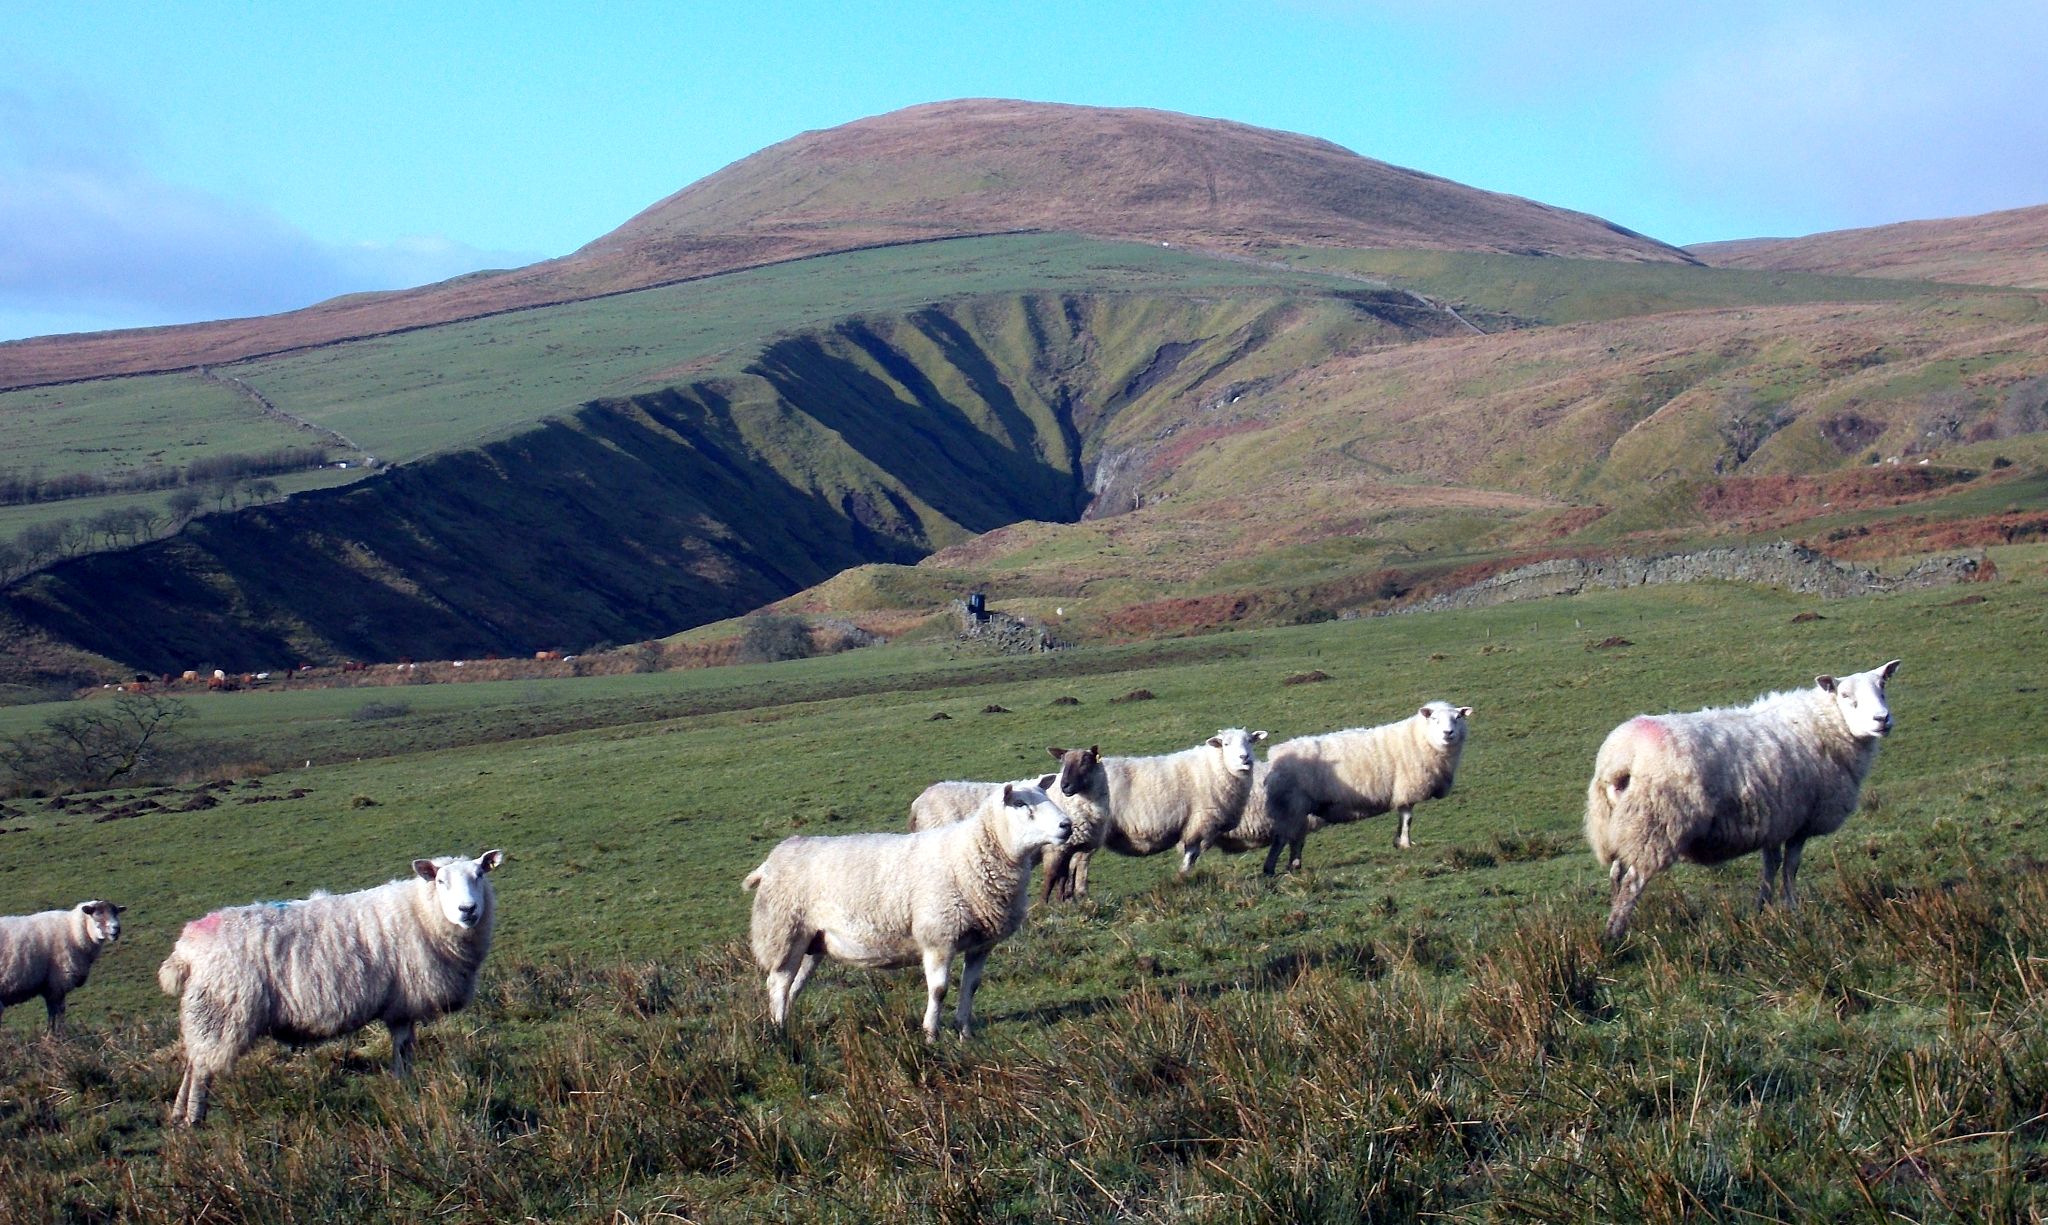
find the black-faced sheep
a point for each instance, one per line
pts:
(302, 971)
(1079, 787)
(1361, 772)
(1709, 785)
(886, 901)
(50, 953)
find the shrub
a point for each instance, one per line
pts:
(380, 710)
(769, 637)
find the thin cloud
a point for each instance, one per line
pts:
(1900, 114)
(88, 232)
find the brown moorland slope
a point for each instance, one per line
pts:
(928, 172)
(2004, 248)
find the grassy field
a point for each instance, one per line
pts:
(1383, 1034)
(1525, 289)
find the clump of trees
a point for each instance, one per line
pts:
(19, 487)
(53, 540)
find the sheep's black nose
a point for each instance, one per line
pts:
(468, 912)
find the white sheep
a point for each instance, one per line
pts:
(302, 971)
(1079, 787)
(1189, 799)
(1360, 772)
(50, 953)
(1709, 785)
(886, 901)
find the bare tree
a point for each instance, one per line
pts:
(95, 746)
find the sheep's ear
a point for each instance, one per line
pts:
(1095, 751)
(1057, 754)
(1258, 736)
(1215, 742)
(1010, 796)
(120, 910)
(1464, 712)
(1826, 683)
(1885, 673)
(425, 869)
(1045, 784)
(488, 860)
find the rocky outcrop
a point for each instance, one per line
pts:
(1793, 567)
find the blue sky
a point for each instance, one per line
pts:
(163, 163)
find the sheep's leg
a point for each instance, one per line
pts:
(184, 1095)
(54, 1004)
(1056, 881)
(1273, 855)
(1627, 890)
(970, 979)
(1793, 850)
(934, 989)
(1294, 851)
(401, 1047)
(1401, 839)
(1763, 896)
(192, 1095)
(782, 983)
(1189, 853)
(805, 968)
(1077, 875)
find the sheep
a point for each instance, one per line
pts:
(1079, 787)
(1255, 827)
(1343, 776)
(886, 901)
(1709, 785)
(301, 971)
(50, 953)
(1189, 798)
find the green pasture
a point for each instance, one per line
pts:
(1384, 1035)
(1510, 289)
(672, 785)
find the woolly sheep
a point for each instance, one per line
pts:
(404, 952)
(886, 901)
(50, 953)
(1361, 772)
(1189, 798)
(1709, 785)
(1079, 787)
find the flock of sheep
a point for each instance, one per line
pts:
(1704, 786)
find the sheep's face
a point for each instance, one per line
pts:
(460, 889)
(1860, 698)
(1079, 770)
(1035, 821)
(1235, 744)
(1446, 724)
(102, 921)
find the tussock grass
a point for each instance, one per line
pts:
(1878, 1054)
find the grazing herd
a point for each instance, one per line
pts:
(1704, 786)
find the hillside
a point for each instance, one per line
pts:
(878, 439)
(2003, 248)
(927, 172)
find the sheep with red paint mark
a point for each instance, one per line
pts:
(302, 971)
(1707, 786)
